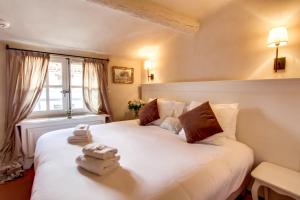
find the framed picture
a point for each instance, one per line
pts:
(123, 75)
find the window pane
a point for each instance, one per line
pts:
(77, 98)
(76, 74)
(42, 103)
(55, 98)
(55, 73)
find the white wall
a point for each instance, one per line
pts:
(232, 44)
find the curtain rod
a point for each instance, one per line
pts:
(58, 54)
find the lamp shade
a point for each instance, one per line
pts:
(148, 64)
(278, 37)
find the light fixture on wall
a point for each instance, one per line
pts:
(148, 65)
(278, 37)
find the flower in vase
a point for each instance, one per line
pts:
(135, 106)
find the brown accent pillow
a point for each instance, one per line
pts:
(199, 123)
(149, 113)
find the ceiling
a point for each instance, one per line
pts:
(198, 9)
(83, 25)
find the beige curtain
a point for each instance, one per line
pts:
(95, 86)
(25, 76)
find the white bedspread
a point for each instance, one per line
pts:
(156, 164)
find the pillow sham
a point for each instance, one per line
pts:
(178, 108)
(149, 113)
(168, 108)
(226, 114)
(171, 124)
(165, 109)
(200, 123)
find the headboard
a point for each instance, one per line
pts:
(269, 117)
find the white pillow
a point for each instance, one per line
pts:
(171, 124)
(178, 108)
(165, 109)
(168, 108)
(216, 139)
(226, 115)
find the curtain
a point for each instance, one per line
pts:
(95, 86)
(25, 76)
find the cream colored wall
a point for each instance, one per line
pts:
(231, 44)
(119, 94)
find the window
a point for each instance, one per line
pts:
(76, 85)
(61, 79)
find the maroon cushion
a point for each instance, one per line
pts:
(200, 123)
(149, 113)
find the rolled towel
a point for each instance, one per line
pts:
(97, 166)
(81, 129)
(80, 139)
(99, 151)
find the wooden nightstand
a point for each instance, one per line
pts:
(280, 179)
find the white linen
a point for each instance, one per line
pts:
(171, 124)
(74, 139)
(155, 164)
(99, 151)
(98, 166)
(81, 129)
(213, 140)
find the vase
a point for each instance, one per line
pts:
(136, 113)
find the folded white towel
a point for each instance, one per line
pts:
(80, 139)
(97, 166)
(81, 129)
(99, 151)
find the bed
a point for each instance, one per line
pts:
(155, 163)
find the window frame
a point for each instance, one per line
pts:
(66, 85)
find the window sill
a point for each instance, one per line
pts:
(55, 120)
(57, 114)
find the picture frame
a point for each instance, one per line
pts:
(122, 75)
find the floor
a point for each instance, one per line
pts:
(247, 197)
(20, 189)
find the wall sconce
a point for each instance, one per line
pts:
(148, 65)
(278, 37)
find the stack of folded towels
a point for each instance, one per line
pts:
(81, 134)
(99, 159)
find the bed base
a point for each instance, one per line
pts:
(242, 189)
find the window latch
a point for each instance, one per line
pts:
(64, 92)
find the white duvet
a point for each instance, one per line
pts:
(155, 164)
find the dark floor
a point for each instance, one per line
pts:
(246, 197)
(20, 189)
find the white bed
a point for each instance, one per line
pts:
(156, 164)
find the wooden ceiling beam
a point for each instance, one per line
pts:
(153, 12)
